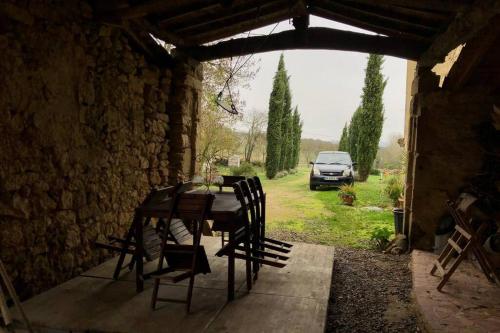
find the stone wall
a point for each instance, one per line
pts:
(446, 149)
(85, 127)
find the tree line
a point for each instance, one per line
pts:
(284, 126)
(361, 137)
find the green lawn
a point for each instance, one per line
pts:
(296, 213)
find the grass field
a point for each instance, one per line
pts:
(296, 213)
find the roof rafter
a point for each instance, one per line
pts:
(377, 18)
(440, 6)
(311, 38)
(244, 25)
(367, 26)
(398, 12)
(204, 23)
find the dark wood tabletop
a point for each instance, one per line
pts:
(225, 208)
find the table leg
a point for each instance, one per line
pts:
(230, 269)
(139, 279)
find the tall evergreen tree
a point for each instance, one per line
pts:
(353, 134)
(297, 134)
(286, 126)
(343, 145)
(372, 115)
(273, 151)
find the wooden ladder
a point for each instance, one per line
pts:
(11, 292)
(463, 240)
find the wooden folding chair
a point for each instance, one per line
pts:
(190, 260)
(464, 239)
(260, 207)
(228, 181)
(250, 233)
(151, 240)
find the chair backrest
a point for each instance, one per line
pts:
(192, 206)
(256, 197)
(248, 197)
(228, 181)
(258, 185)
(238, 191)
(159, 195)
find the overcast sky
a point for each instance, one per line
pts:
(327, 85)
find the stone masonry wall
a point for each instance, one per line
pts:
(84, 130)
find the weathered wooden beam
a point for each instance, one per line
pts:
(463, 28)
(232, 14)
(379, 19)
(166, 36)
(311, 38)
(243, 25)
(151, 6)
(440, 5)
(366, 25)
(301, 22)
(141, 40)
(398, 11)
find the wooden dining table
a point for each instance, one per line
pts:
(226, 212)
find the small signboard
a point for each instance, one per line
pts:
(233, 161)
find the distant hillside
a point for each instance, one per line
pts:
(309, 148)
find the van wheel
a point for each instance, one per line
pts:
(312, 187)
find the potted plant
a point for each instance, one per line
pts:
(394, 190)
(348, 194)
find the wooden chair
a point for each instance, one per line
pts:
(464, 239)
(260, 207)
(228, 181)
(258, 247)
(190, 259)
(151, 240)
(252, 253)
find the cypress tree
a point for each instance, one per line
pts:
(343, 146)
(273, 151)
(297, 133)
(372, 115)
(286, 126)
(353, 135)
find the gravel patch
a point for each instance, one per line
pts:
(370, 293)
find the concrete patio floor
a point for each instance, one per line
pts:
(292, 299)
(468, 302)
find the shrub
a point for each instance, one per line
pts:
(375, 172)
(281, 174)
(245, 169)
(258, 164)
(380, 237)
(347, 190)
(394, 189)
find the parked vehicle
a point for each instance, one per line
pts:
(331, 168)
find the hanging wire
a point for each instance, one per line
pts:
(232, 71)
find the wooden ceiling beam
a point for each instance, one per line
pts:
(397, 11)
(150, 7)
(466, 26)
(141, 40)
(239, 13)
(384, 20)
(311, 38)
(242, 26)
(366, 25)
(431, 5)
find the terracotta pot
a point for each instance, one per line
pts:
(348, 199)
